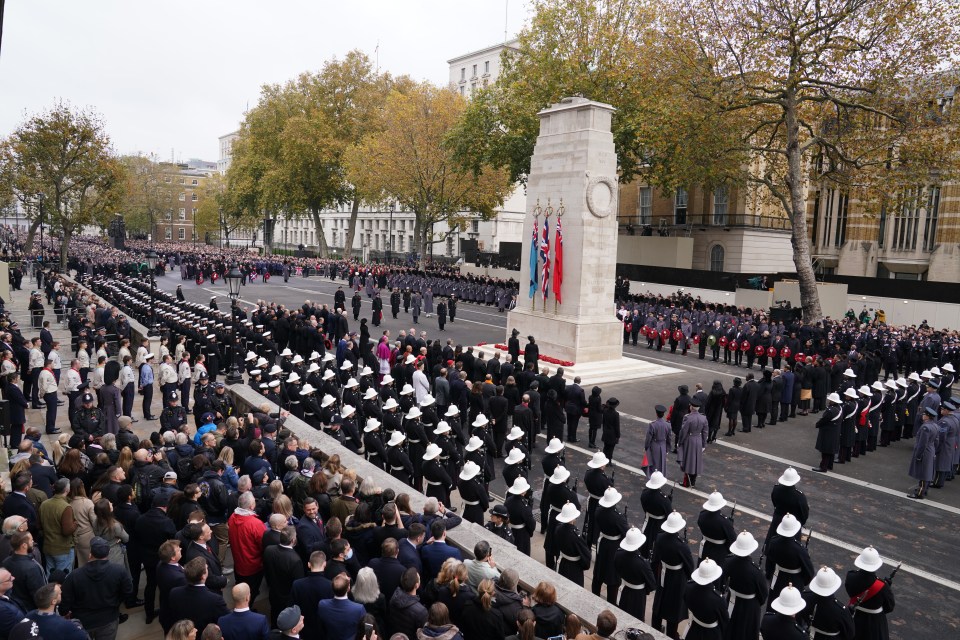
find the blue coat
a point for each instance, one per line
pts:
(56, 626)
(388, 572)
(409, 555)
(339, 618)
(434, 555)
(244, 625)
(306, 593)
(10, 615)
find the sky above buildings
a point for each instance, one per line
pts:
(169, 77)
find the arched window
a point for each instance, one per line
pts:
(716, 258)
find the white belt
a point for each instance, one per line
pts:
(570, 558)
(647, 518)
(874, 611)
(703, 624)
(609, 537)
(434, 482)
(553, 508)
(705, 540)
(668, 567)
(816, 631)
(472, 503)
(374, 453)
(517, 526)
(778, 569)
(595, 497)
(629, 585)
(733, 599)
(393, 468)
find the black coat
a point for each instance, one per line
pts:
(281, 567)
(306, 593)
(169, 576)
(611, 426)
(198, 604)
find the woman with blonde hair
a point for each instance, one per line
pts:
(125, 461)
(182, 630)
(58, 448)
(229, 477)
(84, 516)
(284, 506)
(453, 589)
(479, 619)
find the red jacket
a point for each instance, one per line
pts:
(246, 543)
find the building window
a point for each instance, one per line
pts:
(182, 214)
(463, 90)
(840, 233)
(905, 226)
(474, 71)
(933, 213)
(182, 197)
(646, 206)
(449, 245)
(167, 179)
(720, 198)
(194, 197)
(680, 207)
(463, 73)
(181, 234)
(195, 182)
(475, 226)
(486, 67)
(827, 219)
(716, 258)
(168, 234)
(168, 215)
(816, 217)
(882, 226)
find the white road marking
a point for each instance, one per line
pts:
(682, 364)
(916, 571)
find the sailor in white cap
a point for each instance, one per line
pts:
(439, 483)
(401, 467)
(787, 560)
(830, 619)
(449, 453)
(553, 457)
(786, 499)
(708, 615)
(417, 442)
(475, 498)
(848, 425)
(610, 525)
(573, 552)
(781, 621)
(556, 494)
(376, 451)
(596, 482)
(656, 507)
(828, 433)
(633, 571)
(716, 529)
(522, 522)
(514, 442)
(513, 466)
(747, 587)
(671, 554)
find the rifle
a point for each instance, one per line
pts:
(685, 531)
(627, 508)
(806, 544)
(672, 487)
(733, 510)
(893, 574)
(613, 477)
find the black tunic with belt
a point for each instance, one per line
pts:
(573, 554)
(522, 523)
(748, 592)
(636, 581)
(708, 614)
(673, 564)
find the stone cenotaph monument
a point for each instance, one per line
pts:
(567, 278)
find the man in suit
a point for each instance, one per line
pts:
(309, 590)
(409, 548)
(152, 530)
(387, 567)
(339, 617)
(169, 576)
(436, 552)
(17, 504)
(310, 531)
(197, 537)
(195, 601)
(576, 402)
(281, 567)
(18, 405)
(242, 623)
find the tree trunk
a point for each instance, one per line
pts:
(321, 239)
(31, 232)
(420, 235)
(809, 296)
(351, 228)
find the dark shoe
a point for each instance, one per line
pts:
(39, 406)
(915, 496)
(150, 618)
(123, 618)
(54, 432)
(592, 446)
(133, 604)
(818, 469)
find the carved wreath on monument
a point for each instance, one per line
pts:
(601, 195)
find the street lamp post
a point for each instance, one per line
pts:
(234, 279)
(40, 253)
(152, 265)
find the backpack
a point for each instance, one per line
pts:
(184, 469)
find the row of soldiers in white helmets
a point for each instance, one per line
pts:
(903, 408)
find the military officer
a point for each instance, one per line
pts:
(716, 530)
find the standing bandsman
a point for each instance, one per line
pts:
(923, 461)
(786, 499)
(439, 483)
(672, 564)
(656, 505)
(596, 482)
(781, 622)
(513, 467)
(522, 523)
(611, 526)
(475, 498)
(708, 612)
(417, 440)
(373, 445)
(716, 530)
(871, 597)
(657, 442)
(747, 588)
(558, 494)
(449, 454)
(946, 444)
(634, 573)
(824, 616)
(400, 466)
(828, 433)
(573, 552)
(787, 560)
(848, 425)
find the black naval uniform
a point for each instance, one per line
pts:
(657, 507)
(573, 553)
(560, 494)
(636, 581)
(708, 613)
(475, 499)
(522, 522)
(400, 466)
(596, 483)
(871, 618)
(827, 619)
(748, 591)
(673, 564)
(787, 562)
(717, 534)
(786, 500)
(611, 526)
(782, 627)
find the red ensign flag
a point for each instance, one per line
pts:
(558, 263)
